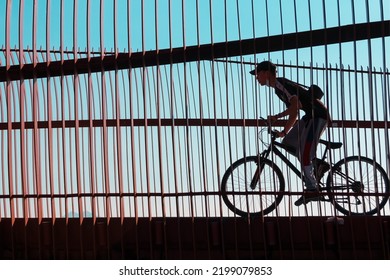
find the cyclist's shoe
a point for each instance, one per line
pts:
(309, 196)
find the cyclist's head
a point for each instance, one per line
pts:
(264, 66)
(265, 73)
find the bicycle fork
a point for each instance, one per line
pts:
(256, 177)
(259, 169)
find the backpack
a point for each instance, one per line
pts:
(314, 90)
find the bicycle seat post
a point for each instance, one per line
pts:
(325, 153)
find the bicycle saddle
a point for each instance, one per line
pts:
(331, 145)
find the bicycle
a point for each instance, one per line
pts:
(254, 185)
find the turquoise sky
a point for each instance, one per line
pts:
(175, 23)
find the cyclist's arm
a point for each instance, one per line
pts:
(291, 112)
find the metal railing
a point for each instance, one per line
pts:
(150, 133)
(141, 142)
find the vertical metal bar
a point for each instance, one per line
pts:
(159, 132)
(310, 239)
(297, 62)
(343, 102)
(214, 92)
(371, 105)
(127, 114)
(150, 89)
(371, 95)
(146, 134)
(193, 147)
(385, 84)
(328, 89)
(60, 201)
(138, 95)
(364, 144)
(91, 130)
(111, 93)
(43, 152)
(173, 130)
(202, 133)
(370, 82)
(99, 171)
(104, 128)
(9, 120)
(270, 99)
(63, 130)
(227, 109)
(37, 156)
(14, 109)
(240, 73)
(226, 68)
(342, 96)
(76, 81)
(118, 133)
(132, 140)
(50, 129)
(30, 155)
(3, 208)
(188, 133)
(29, 59)
(22, 116)
(38, 184)
(282, 33)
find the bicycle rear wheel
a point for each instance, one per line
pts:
(262, 197)
(358, 186)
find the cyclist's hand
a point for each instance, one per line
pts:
(271, 119)
(279, 134)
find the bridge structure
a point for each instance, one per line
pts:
(120, 154)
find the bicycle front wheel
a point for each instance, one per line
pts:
(248, 197)
(358, 186)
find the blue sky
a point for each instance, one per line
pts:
(223, 21)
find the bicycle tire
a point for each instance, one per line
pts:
(241, 199)
(367, 195)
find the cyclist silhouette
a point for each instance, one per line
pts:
(303, 135)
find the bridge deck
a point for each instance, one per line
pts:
(198, 238)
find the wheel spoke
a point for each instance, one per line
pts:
(241, 198)
(357, 186)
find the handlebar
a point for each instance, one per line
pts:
(269, 129)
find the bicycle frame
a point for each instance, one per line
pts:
(265, 154)
(273, 149)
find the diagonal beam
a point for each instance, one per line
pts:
(341, 34)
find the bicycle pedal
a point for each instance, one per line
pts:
(317, 198)
(306, 198)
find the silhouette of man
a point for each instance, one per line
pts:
(302, 135)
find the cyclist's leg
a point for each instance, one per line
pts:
(298, 138)
(293, 136)
(308, 147)
(310, 136)
(301, 138)
(311, 133)
(304, 137)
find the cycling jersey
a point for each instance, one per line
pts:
(312, 107)
(305, 134)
